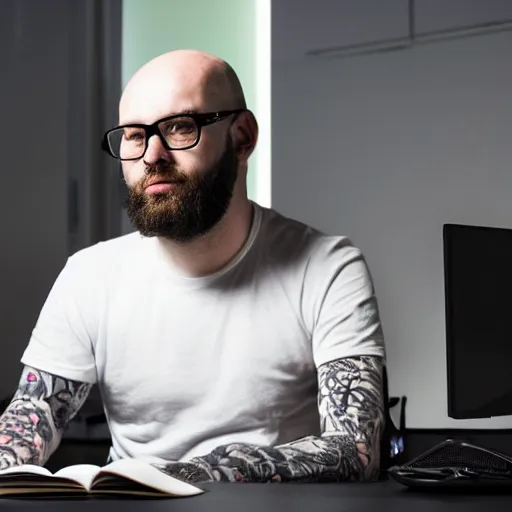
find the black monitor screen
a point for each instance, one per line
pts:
(478, 303)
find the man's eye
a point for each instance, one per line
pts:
(181, 127)
(134, 136)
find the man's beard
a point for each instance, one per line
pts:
(192, 208)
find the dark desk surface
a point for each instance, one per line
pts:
(374, 497)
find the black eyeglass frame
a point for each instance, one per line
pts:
(201, 120)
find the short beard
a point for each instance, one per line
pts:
(192, 209)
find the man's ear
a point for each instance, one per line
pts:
(245, 134)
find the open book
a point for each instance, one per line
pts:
(123, 477)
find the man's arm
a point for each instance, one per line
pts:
(352, 418)
(32, 425)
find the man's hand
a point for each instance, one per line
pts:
(195, 471)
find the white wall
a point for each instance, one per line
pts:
(385, 149)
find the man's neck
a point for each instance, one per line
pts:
(213, 251)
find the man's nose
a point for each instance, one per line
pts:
(156, 151)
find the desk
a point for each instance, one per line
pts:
(225, 497)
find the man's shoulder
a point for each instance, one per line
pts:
(293, 238)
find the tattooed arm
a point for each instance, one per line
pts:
(352, 417)
(32, 425)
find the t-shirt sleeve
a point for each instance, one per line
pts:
(61, 342)
(346, 314)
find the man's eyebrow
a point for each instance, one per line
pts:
(183, 112)
(186, 111)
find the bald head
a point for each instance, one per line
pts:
(180, 80)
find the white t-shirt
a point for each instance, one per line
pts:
(187, 364)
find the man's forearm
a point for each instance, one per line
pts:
(352, 419)
(311, 459)
(27, 433)
(32, 425)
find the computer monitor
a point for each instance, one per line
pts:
(478, 309)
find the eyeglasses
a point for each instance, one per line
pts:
(177, 132)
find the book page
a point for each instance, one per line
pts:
(24, 469)
(83, 474)
(146, 475)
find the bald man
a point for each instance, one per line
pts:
(229, 343)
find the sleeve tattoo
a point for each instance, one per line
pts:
(32, 425)
(350, 401)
